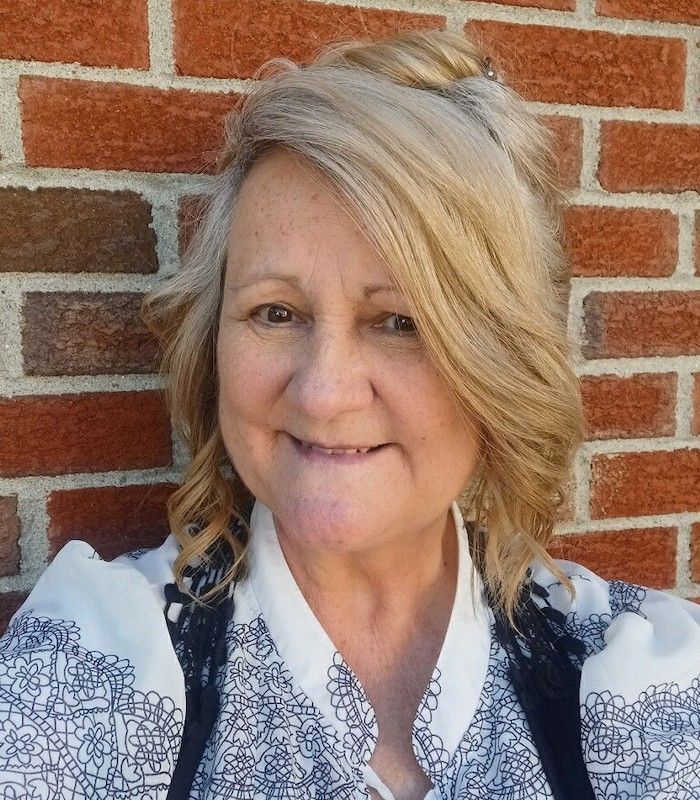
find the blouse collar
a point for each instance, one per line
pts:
(451, 698)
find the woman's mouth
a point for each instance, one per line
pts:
(335, 455)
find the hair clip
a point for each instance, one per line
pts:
(489, 71)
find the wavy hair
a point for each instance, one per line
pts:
(454, 182)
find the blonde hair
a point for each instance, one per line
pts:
(454, 182)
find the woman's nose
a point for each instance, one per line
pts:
(331, 376)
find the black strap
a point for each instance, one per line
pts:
(199, 639)
(545, 667)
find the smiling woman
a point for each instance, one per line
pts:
(317, 359)
(367, 357)
(327, 185)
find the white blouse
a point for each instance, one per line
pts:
(92, 695)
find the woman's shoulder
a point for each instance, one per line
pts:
(619, 620)
(115, 607)
(87, 662)
(605, 611)
(640, 683)
(112, 601)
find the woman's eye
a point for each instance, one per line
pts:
(401, 324)
(274, 313)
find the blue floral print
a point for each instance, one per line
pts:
(71, 724)
(649, 749)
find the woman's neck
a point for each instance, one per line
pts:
(391, 590)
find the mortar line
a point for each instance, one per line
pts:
(160, 38)
(10, 122)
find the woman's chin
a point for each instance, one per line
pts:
(325, 524)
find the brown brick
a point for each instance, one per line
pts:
(638, 406)
(86, 333)
(641, 324)
(9, 536)
(653, 10)
(75, 123)
(696, 404)
(645, 556)
(612, 242)
(696, 244)
(649, 156)
(232, 38)
(695, 552)
(91, 32)
(9, 603)
(641, 484)
(59, 434)
(113, 519)
(75, 230)
(568, 65)
(568, 140)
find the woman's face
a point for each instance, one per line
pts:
(310, 350)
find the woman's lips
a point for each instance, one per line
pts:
(319, 456)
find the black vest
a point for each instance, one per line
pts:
(545, 667)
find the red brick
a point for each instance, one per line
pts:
(634, 407)
(641, 484)
(232, 39)
(568, 142)
(645, 556)
(641, 324)
(75, 230)
(695, 552)
(568, 65)
(696, 244)
(613, 242)
(113, 519)
(59, 434)
(649, 156)
(9, 536)
(9, 603)
(653, 10)
(696, 404)
(84, 333)
(91, 32)
(75, 123)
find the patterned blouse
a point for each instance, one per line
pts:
(92, 696)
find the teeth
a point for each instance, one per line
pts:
(335, 452)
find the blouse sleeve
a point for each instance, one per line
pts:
(640, 687)
(91, 693)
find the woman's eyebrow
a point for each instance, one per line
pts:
(292, 280)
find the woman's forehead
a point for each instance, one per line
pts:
(279, 197)
(282, 174)
(289, 226)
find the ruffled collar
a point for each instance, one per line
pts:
(451, 698)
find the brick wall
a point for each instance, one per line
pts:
(110, 116)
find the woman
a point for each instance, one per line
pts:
(367, 357)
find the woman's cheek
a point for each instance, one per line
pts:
(250, 374)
